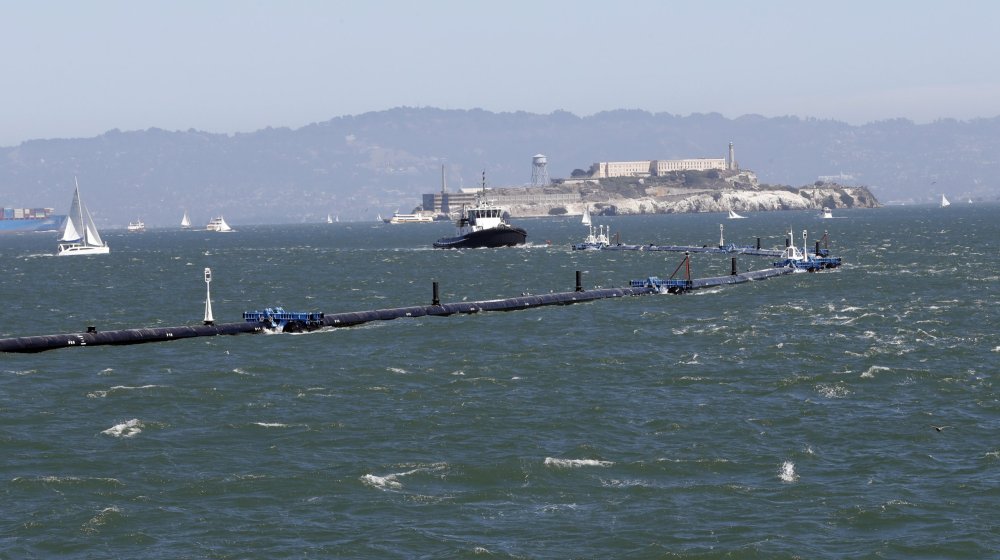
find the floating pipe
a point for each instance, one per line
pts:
(93, 337)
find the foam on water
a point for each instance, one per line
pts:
(575, 463)
(127, 429)
(787, 472)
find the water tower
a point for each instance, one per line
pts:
(539, 171)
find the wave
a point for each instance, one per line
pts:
(130, 428)
(391, 481)
(575, 463)
(119, 388)
(49, 479)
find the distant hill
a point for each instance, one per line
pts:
(358, 166)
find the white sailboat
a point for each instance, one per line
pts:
(79, 234)
(329, 220)
(734, 216)
(185, 221)
(218, 224)
(586, 217)
(944, 202)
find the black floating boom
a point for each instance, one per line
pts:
(93, 337)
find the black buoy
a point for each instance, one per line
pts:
(579, 281)
(758, 244)
(436, 300)
(733, 271)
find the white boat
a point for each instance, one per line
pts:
(586, 217)
(593, 242)
(79, 234)
(329, 220)
(944, 202)
(218, 224)
(827, 213)
(137, 225)
(185, 221)
(734, 215)
(398, 218)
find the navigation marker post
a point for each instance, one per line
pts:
(209, 320)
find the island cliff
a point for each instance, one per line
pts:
(710, 191)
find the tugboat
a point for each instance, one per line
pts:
(483, 225)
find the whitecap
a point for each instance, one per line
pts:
(103, 517)
(127, 429)
(787, 472)
(575, 463)
(391, 481)
(832, 391)
(388, 481)
(631, 483)
(271, 424)
(870, 372)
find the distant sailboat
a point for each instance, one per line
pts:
(329, 220)
(586, 217)
(944, 202)
(734, 215)
(79, 234)
(185, 221)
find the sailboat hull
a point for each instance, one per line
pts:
(71, 249)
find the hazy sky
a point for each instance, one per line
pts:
(80, 68)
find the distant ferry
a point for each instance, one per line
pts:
(398, 218)
(13, 220)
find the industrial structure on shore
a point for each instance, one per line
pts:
(445, 202)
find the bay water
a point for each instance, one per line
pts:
(789, 418)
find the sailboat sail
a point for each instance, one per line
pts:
(944, 201)
(586, 217)
(73, 226)
(185, 221)
(90, 236)
(79, 234)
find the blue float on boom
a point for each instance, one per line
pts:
(277, 319)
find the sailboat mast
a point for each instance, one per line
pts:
(82, 230)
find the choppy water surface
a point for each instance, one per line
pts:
(786, 418)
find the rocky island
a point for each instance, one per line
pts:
(686, 191)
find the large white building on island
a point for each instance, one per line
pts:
(660, 167)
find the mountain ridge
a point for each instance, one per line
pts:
(359, 165)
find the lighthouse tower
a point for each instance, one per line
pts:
(733, 166)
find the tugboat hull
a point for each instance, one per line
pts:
(493, 237)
